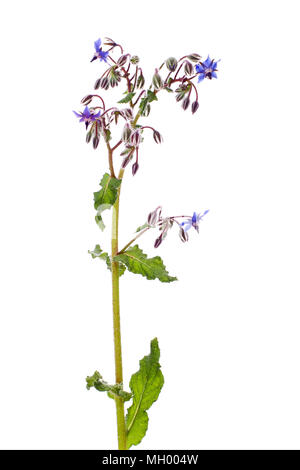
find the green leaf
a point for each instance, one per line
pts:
(138, 263)
(106, 197)
(99, 384)
(151, 96)
(145, 385)
(99, 253)
(127, 98)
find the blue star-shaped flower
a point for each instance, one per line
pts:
(86, 116)
(193, 221)
(207, 69)
(99, 54)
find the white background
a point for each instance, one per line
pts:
(229, 328)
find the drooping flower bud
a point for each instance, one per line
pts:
(135, 168)
(134, 59)
(147, 110)
(194, 57)
(158, 241)
(95, 141)
(88, 136)
(127, 160)
(154, 216)
(122, 60)
(140, 81)
(87, 99)
(180, 96)
(195, 106)
(157, 81)
(157, 137)
(104, 83)
(97, 84)
(126, 133)
(183, 235)
(185, 103)
(127, 113)
(114, 77)
(135, 138)
(188, 68)
(171, 64)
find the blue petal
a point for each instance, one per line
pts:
(194, 218)
(77, 114)
(86, 112)
(207, 62)
(97, 44)
(103, 56)
(201, 77)
(97, 115)
(199, 68)
(187, 227)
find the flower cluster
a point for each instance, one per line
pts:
(164, 224)
(126, 67)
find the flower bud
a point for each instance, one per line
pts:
(95, 141)
(88, 137)
(188, 68)
(126, 133)
(87, 99)
(122, 60)
(135, 138)
(157, 81)
(185, 103)
(140, 81)
(97, 83)
(194, 57)
(180, 96)
(134, 59)
(154, 216)
(135, 168)
(171, 64)
(147, 110)
(104, 83)
(195, 106)
(126, 160)
(158, 241)
(183, 235)
(127, 113)
(157, 137)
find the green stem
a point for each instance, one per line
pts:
(116, 323)
(122, 435)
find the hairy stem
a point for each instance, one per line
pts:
(116, 324)
(116, 302)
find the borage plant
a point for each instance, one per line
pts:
(145, 385)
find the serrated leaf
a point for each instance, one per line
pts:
(99, 384)
(106, 197)
(145, 385)
(137, 262)
(151, 96)
(127, 98)
(97, 252)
